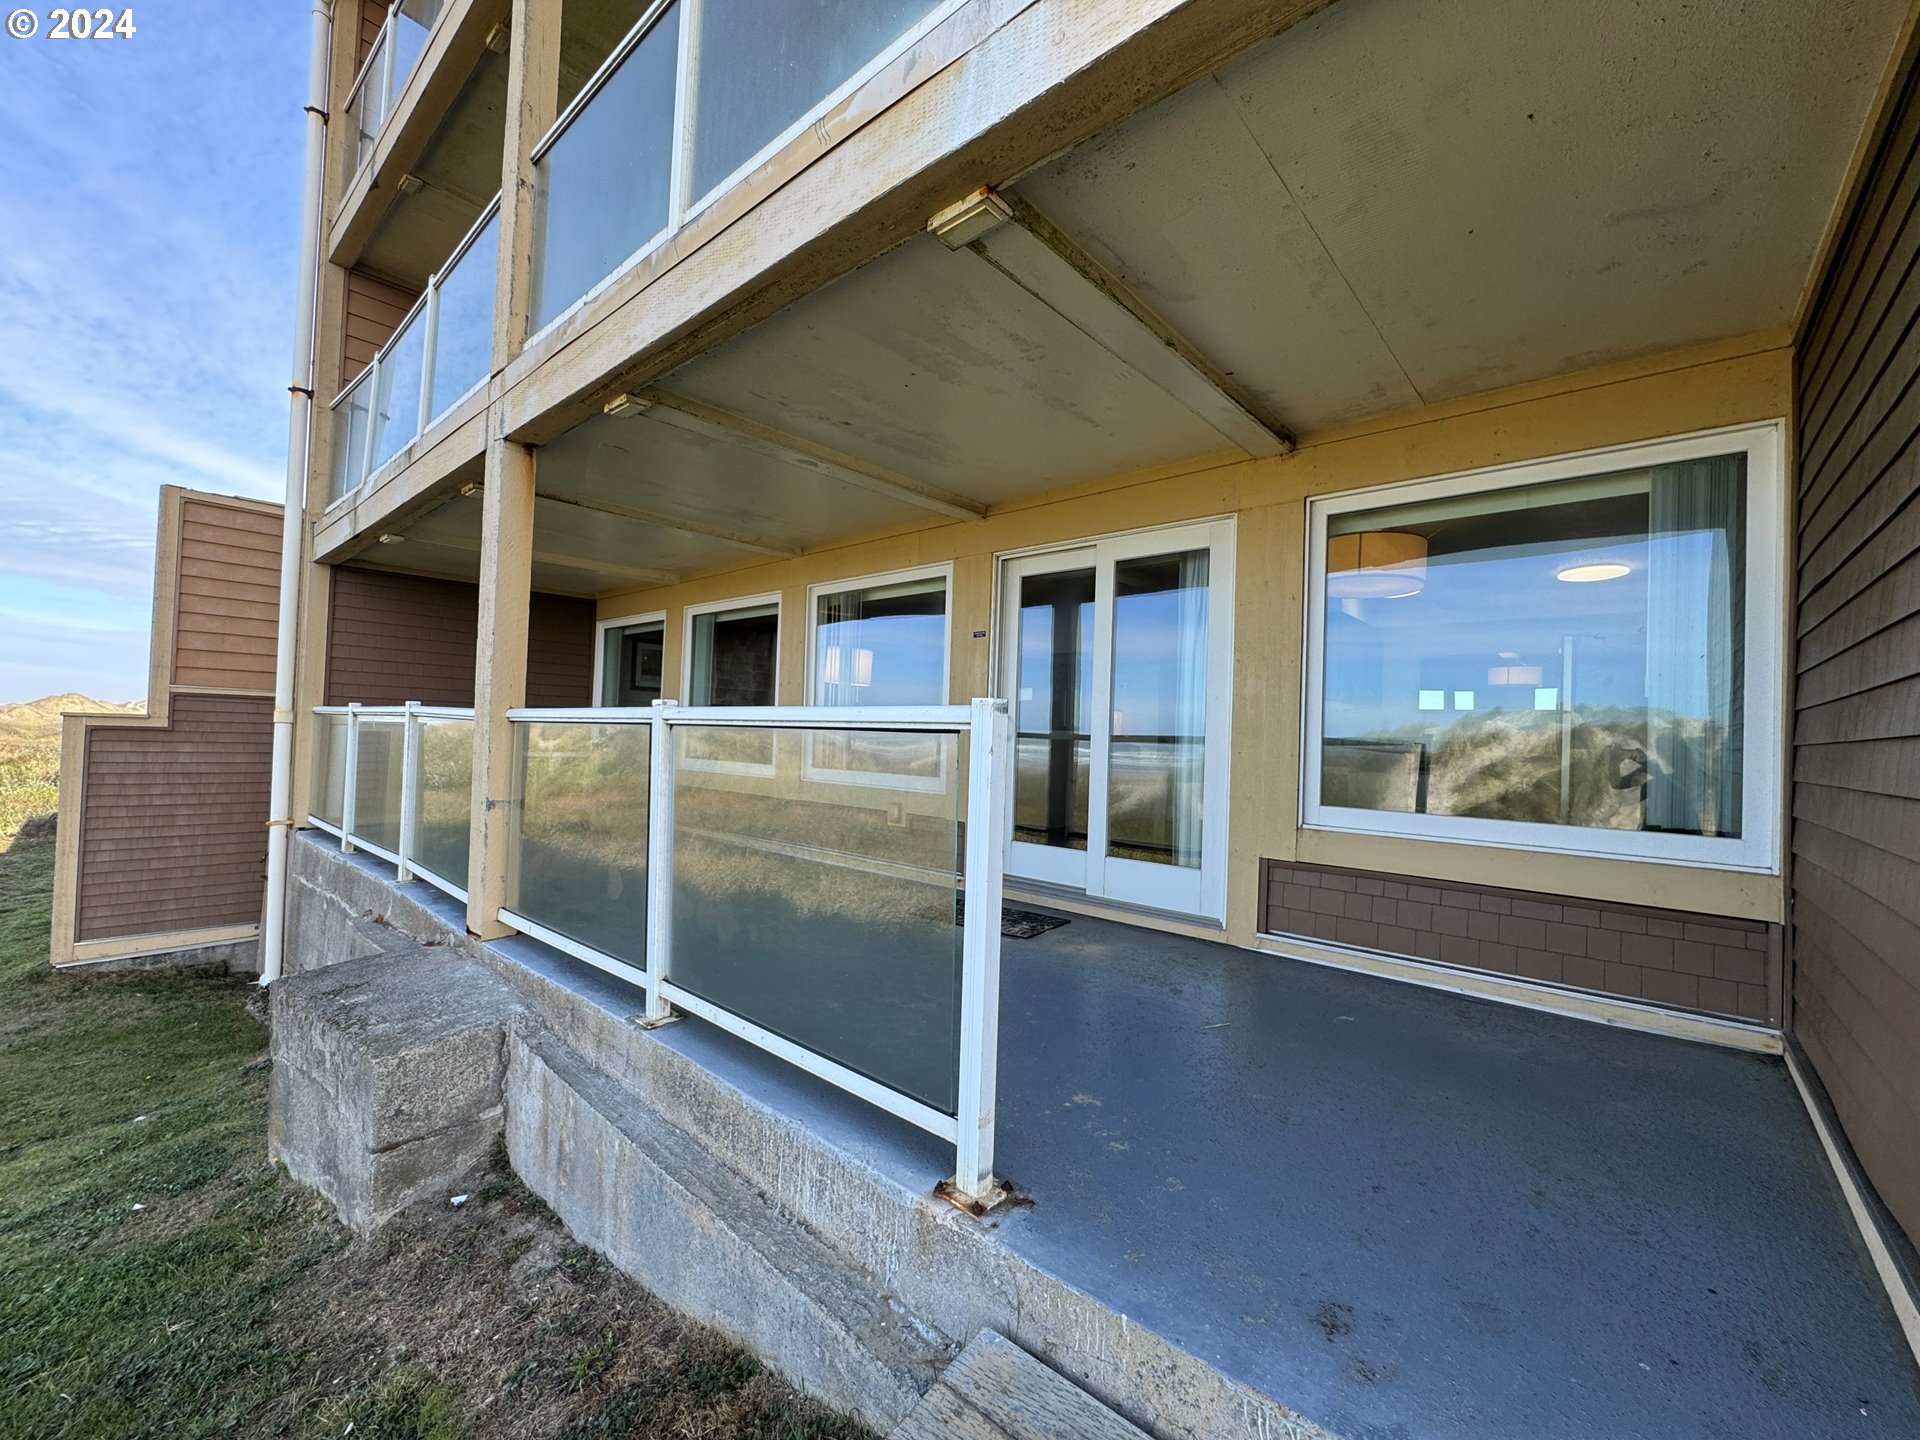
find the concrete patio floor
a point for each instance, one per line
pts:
(1405, 1213)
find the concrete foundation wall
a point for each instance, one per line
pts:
(823, 1254)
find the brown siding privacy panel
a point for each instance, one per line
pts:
(172, 824)
(1665, 957)
(372, 17)
(227, 597)
(1856, 757)
(395, 638)
(374, 311)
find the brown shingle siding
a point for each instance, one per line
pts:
(374, 310)
(173, 824)
(1728, 966)
(1856, 771)
(394, 638)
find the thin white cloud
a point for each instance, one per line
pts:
(145, 314)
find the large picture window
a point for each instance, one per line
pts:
(1577, 655)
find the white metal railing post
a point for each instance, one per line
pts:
(391, 33)
(350, 781)
(428, 344)
(989, 750)
(659, 862)
(409, 785)
(373, 410)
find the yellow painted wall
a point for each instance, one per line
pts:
(1728, 384)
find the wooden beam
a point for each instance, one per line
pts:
(500, 674)
(638, 573)
(678, 524)
(1051, 266)
(533, 102)
(709, 421)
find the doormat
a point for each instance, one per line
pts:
(1014, 924)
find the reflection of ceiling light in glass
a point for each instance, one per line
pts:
(1376, 565)
(1586, 571)
(1514, 675)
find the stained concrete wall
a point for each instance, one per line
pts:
(849, 1277)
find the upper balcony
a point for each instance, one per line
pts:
(697, 95)
(417, 143)
(439, 354)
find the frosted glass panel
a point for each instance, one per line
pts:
(760, 67)
(601, 191)
(443, 801)
(579, 861)
(376, 792)
(410, 26)
(328, 801)
(350, 438)
(366, 112)
(463, 339)
(397, 378)
(824, 911)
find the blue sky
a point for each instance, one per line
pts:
(149, 200)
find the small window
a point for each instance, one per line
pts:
(630, 659)
(881, 642)
(734, 654)
(1556, 656)
(733, 658)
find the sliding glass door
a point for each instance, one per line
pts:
(1116, 657)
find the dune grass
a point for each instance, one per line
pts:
(159, 1277)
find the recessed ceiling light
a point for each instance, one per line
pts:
(1585, 574)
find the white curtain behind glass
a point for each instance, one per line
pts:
(1696, 638)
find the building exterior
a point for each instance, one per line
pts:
(1432, 484)
(162, 815)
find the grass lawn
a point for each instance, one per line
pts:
(159, 1277)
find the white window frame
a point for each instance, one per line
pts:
(690, 613)
(1758, 848)
(809, 770)
(620, 622)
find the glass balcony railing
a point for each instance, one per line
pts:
(403, 35)
(849, 926)
(440, 352)
(608, 187)
(397, 781)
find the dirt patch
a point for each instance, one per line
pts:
(486, 1320)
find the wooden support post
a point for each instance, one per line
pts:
(500, 673)
(533, 101)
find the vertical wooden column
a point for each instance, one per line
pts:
(533, 98)
(500, 672)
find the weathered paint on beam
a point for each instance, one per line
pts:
(713, 423)
(677, 523)
(1035, 254)
(1017, 95)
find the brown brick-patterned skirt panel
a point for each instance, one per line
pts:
(173, 824)
(1668, 957)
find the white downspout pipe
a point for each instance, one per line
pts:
(273, 910)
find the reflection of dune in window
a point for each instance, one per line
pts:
(880, 645)
(1156, 756)
(1573, 655)
(1053, 710)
